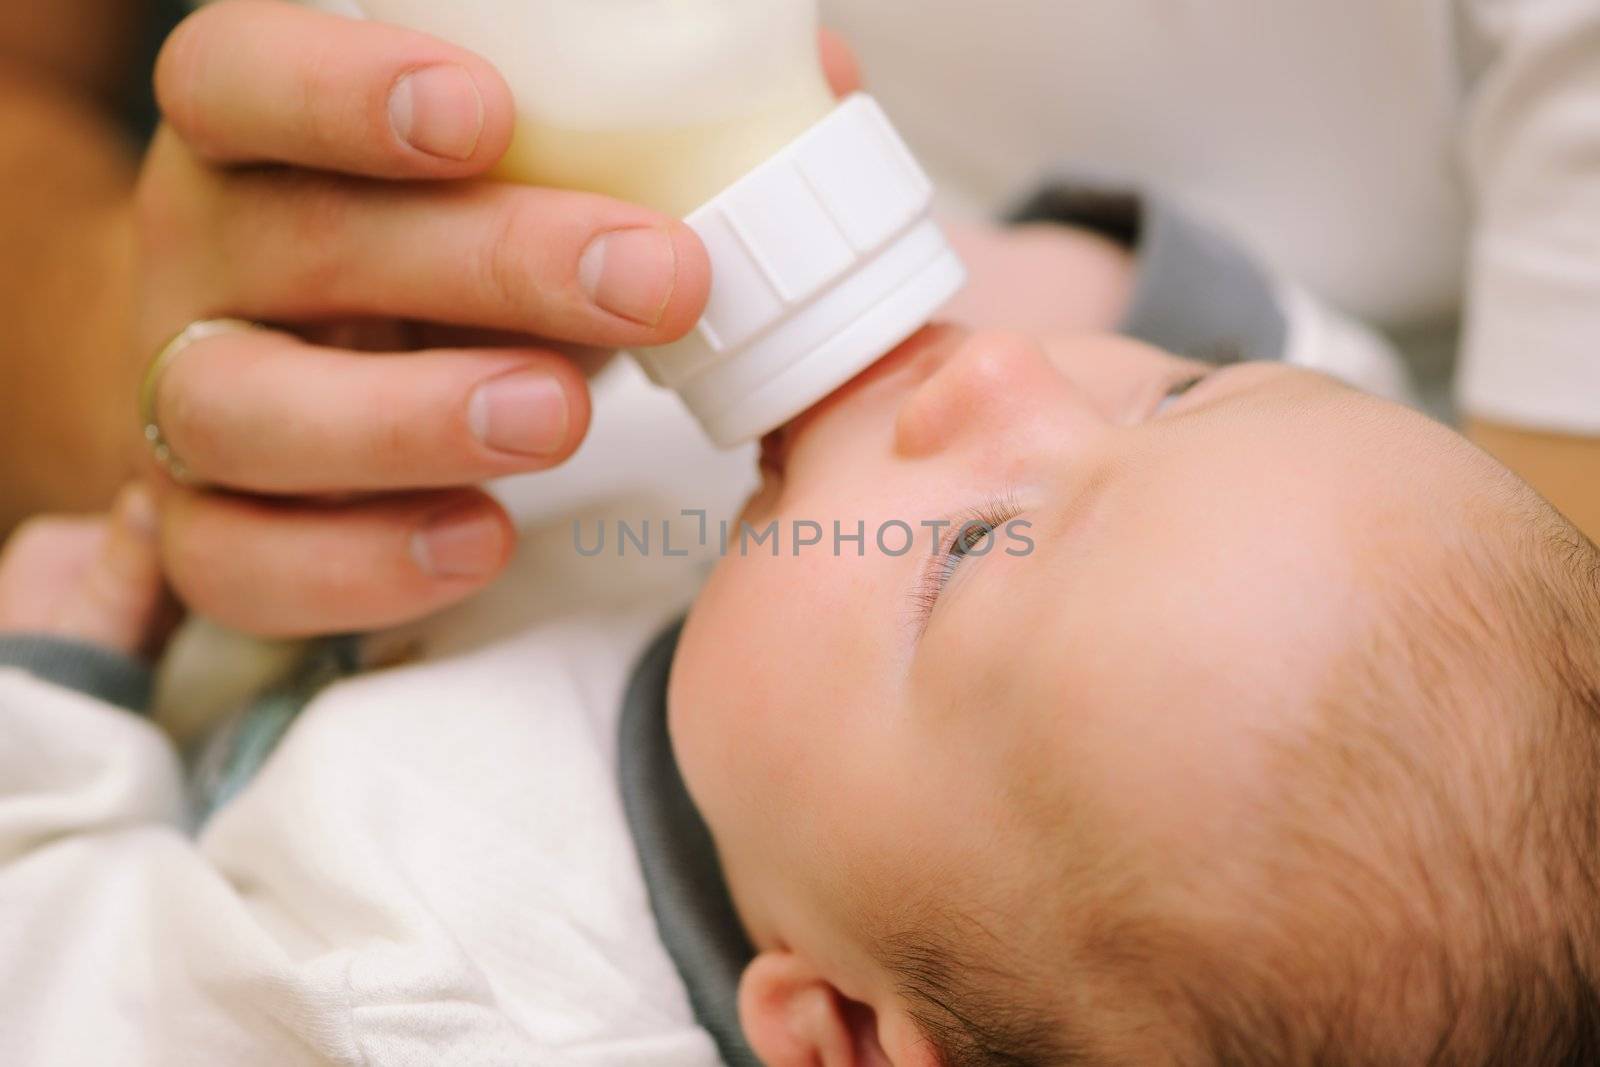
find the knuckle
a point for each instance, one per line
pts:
(505, 268)
(180, 73)
(318, 217)
(327, 115)
(189, 430)
(392, 438)
(281, 231)
(321, 204)
(202, 413)
(393, 443)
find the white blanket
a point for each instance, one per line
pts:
(433, 869)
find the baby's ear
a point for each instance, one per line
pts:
(794, 1017)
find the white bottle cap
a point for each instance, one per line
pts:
(823, 259)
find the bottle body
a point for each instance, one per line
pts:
(815, 215)
(658, 102)
(673, 170)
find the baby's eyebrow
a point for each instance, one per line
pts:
(1080, 500)
(1182, 388)
(930, 586)
(1080, 504)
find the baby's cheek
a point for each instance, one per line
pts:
(734, 683)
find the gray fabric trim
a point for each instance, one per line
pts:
(88, 669)
(693, 910)
(232, 755)
(1196, 293)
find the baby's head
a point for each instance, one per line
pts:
(1264, 728)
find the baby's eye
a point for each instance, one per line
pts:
(969, 538)
(964, 544)
(1178, 392)
(970, 533)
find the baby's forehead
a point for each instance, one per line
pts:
(1186, 609)
(1136, 696)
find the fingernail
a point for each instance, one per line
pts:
(523, 413)
(136, 510)
(462, 542)
(438, 110)
(631, 273)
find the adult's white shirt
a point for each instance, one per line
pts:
(1413, 162)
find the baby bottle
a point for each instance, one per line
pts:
(816, 216)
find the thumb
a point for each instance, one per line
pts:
(120, 599)
(839, 64)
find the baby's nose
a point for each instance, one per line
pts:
(990, 384)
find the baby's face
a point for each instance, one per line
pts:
(1181, 567)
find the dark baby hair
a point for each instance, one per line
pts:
(1427, 892)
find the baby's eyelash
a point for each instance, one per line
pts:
(1179, 391)
(967, 530)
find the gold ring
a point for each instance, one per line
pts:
(154, 437)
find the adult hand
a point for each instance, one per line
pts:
(309, 176)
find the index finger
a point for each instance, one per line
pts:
(266, 81)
